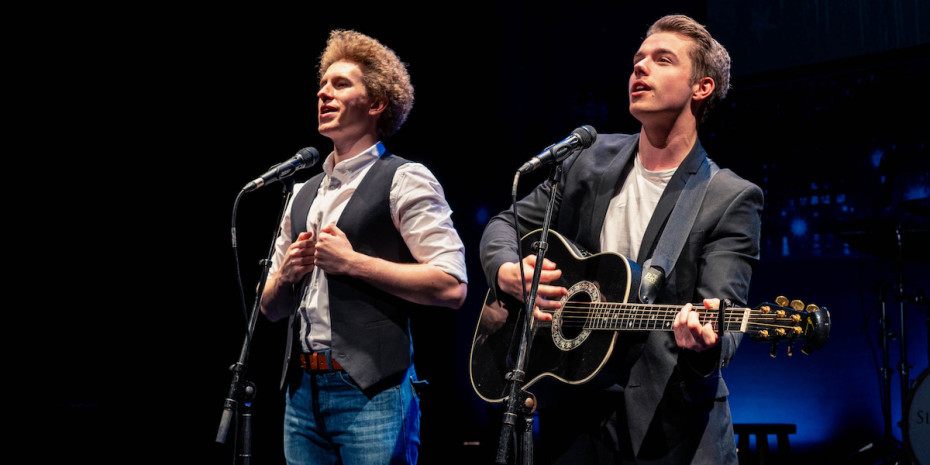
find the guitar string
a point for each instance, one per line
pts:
(607, 311)
(634, 306)
(659, 309)
(736, 316)
(733, 317)
(671, 312)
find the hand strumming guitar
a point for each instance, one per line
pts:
(547, 296)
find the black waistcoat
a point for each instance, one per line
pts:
(370, 328)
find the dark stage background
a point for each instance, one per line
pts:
(172, 112)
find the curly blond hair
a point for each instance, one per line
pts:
(708, 57)
(384, 75)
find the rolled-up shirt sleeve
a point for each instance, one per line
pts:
(424, 218)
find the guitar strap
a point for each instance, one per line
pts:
(676, 232)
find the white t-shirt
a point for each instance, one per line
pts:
(631, 209)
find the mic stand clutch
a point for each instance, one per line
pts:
(521, 403)
(242, 391)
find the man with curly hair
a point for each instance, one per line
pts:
(364, 244)
(666, 403)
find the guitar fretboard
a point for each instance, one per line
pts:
(640, 317)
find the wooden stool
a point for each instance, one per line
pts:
(762, 430)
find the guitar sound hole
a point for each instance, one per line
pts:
(575, 315)
(572, 326)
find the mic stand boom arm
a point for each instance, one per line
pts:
(518, 400)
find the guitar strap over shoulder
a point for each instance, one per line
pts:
(676, 231)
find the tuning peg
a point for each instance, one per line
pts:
(781, 300)
(797, 305)
(780, 332)
(764, 334)
(811, 308)
(795, 318)
(765, 309)
(774, 348)
(790, 350)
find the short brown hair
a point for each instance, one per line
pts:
(384, 75)
(708, 57)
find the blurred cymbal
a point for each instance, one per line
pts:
(882, 240)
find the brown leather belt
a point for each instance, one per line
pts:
(317, 361)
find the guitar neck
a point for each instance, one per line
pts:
(641, 317)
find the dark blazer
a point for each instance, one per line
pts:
(716, 261)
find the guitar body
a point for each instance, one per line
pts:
(601, 303)
(558, 349)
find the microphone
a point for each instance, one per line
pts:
(305, 158)
(581, 138)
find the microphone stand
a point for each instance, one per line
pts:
(241, 390)
(903, 366)
(521, 403)
(885, 334)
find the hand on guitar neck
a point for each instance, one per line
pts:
(689, 333)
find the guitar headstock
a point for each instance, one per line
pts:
(790, 321)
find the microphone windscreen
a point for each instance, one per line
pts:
(586, 135)
(309, 155)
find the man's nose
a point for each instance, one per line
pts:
(325, 92)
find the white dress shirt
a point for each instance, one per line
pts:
(419, 211)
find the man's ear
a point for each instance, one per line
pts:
(703, 89)
(378, 106)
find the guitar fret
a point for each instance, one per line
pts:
(602, 316)
(590, 319)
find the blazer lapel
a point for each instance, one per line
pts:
(608, 185)
(657, 360)
(688, 168)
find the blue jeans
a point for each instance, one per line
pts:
(329, 420)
